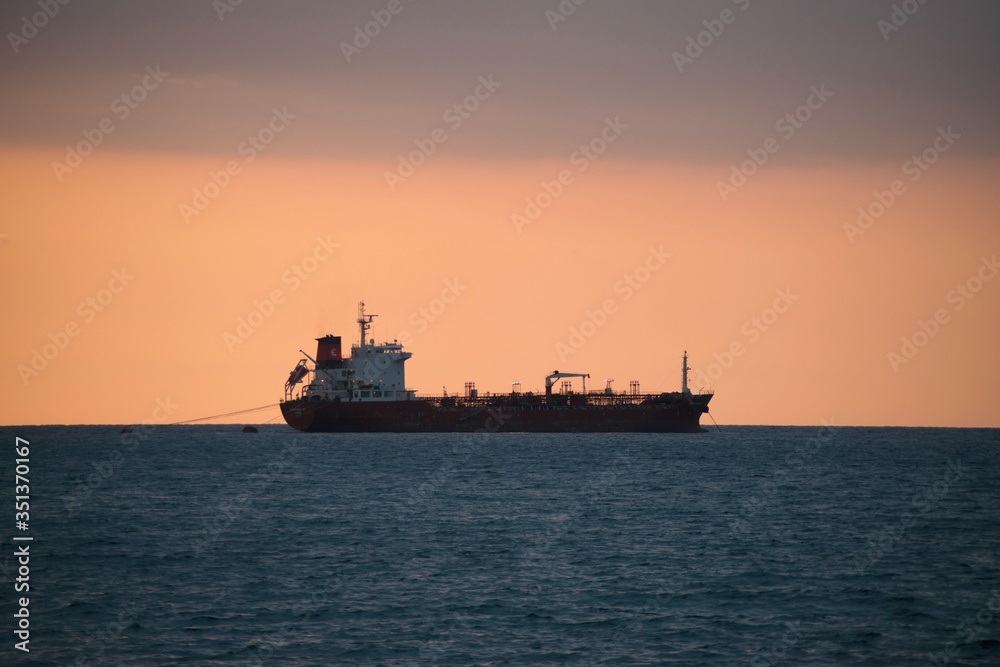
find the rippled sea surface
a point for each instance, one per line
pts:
(203, 545)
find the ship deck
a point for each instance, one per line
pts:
(528, 400)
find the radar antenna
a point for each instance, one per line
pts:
(364, 321)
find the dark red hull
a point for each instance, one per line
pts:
(658, 413)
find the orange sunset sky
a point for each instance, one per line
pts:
(513, 188)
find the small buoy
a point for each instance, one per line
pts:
(249, 429)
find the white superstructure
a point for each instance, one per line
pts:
(372, 372)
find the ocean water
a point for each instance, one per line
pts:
(203, 545)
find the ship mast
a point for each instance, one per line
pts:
(684, 376)
(365, 322)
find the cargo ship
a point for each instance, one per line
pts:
(367, 392)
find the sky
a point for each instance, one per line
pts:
(801, 195)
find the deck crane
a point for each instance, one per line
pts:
(550, 380)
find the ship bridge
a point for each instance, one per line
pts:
(373, 372)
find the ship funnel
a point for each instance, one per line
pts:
(328, 351)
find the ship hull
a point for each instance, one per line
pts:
(655, 414)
